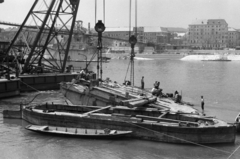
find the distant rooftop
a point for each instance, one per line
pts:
(118, 29)
(208, 21)
(217, 21)
(199, 21)
(147, 29)
(153, 29)
(232, 29)
(173, 29)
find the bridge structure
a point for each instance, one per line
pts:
(63, 32)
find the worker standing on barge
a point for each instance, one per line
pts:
(202, 103)
(142, 82)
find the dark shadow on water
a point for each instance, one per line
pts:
(14, 122)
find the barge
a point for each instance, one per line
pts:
(91, 92)
(145, 123)
(9, 88)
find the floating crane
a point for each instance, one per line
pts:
(55, 17)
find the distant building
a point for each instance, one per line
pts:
(233, 38)
(174, 29)
(208, 34)
(119, 37)
(179, 39)
(155, 35)
(118, 33)
(152, 36)
(149, 50)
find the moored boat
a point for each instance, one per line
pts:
(78, 132)
(91, 92)
(145, 123)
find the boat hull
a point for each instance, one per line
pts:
(81, 95)
(9, 88)
(141, 130)
(238, 127)
(77, 132)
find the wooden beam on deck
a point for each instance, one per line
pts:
(97, 110)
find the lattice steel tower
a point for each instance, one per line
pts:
(54, 22)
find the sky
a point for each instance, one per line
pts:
(164, 13)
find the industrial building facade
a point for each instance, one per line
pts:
(212, 34)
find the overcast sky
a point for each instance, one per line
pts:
(166, 13)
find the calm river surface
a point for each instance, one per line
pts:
(218, 82)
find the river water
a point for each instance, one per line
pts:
(218, 82)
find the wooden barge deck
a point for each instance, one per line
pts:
(148, 123)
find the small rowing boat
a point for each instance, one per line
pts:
(78, 132)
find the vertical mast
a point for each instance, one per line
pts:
(132, 41)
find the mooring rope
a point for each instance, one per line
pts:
(30, 86)
(33, 89)
(233, 152)
(180, 138)
(31, 100)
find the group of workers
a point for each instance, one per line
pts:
(156, 91)
(87, 75)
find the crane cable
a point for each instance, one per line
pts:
(104, 11)
(127, 71)
(95, 11)
(129, 34)
(136, 18)
(130, 10)
(190, 142)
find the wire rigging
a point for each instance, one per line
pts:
(130, 10)
(95, 11)
(104, 12)
(212, 148)
(136, 18)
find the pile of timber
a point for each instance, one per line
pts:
(138, 102)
